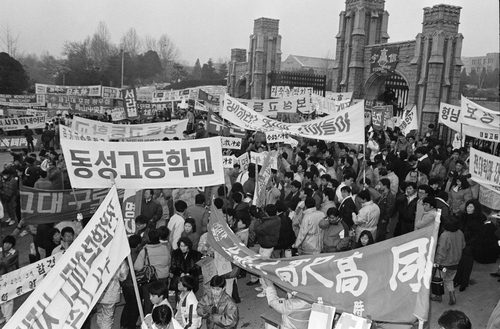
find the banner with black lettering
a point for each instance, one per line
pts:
(390, 280)
(71, 289)
(478, 116)
(216, 125)
(68, 90)
(19, 123)
(130, 103)
(484, 168)
(144, 165)
(131, 133)
(340, 127)
(22, 100)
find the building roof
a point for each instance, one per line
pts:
(314, 62)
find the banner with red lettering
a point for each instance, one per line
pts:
(389, 279)
(70, 290)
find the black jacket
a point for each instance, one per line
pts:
(268, 231)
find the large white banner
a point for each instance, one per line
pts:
(144, 165)
(26, 279)
(449, 115)
(484, 168)
(147, 132)
(72, 288)
(476, 115)
(345, 126)
(68, 90)
(410, 121)
(273, 107)
(68, 133)
(19, 123)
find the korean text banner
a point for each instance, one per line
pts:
(26, 279)
(72, 288)
(410, 121)
(391, 279)
(144, 165)
(449, 115)
(345, 126)
(273, 107)
(68, 90)
(216, 125)
(19, 123)
(485, 168)
(17, 142)
(52, 206)
(140, 132)
(68, 133)
(478, 116)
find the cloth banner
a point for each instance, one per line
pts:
(261, 182)
(111, 92)
(19, 123)
(397, 271)
(378, 118)
(200, 107)
(244, 161)
(148, 110)
(449, 115)
(22, 100)
(68, 133)
(130, 103)
(52, 206)
(18, 142)
(228, 161)
(173, 95)
(287, 92)
(339, 96)
(208, 97)
(130, 133)
(489, 196)
(26, 279)
(276, 137)
(131, 208)
(410, 121)
(484, 168)
(478, 116)
(384, 59)
(144, 165)
(72, 288)
(68, 90)
(231, 143)
(259, 159)
(216, 125)
(368, 118)
(340, 127)
(273, 107)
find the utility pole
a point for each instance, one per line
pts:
(122, 65)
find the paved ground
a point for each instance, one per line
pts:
(477, 301)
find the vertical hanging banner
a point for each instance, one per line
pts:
(130, 103)
(384, 59)
(261, 181)
(68, 293)
(410, 121)
(131, 208)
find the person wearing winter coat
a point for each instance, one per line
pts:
(295, 312)
(335, 230)
(287, 236)
(267, 230)
(368, 216)
(429, 215)
(459, 195)
(309, 238)
(217, 307)
(448, 254)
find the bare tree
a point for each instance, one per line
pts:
(168, 50)
(327, 68)
(10, 43)
(131, 42)
(100, 46)
(150, 43)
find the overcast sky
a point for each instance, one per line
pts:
(210, 28)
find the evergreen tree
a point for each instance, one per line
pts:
(13, 77)
(196, 74)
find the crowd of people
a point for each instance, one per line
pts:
(321, 198)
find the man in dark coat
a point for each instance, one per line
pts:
(347, 207)
(386, 205)
(287, 236)
(406, 204)
(150, 208)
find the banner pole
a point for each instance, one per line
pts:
(131, 267)
(364, 164)
(136, 287)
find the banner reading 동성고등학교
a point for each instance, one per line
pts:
(344, 126)
(146, 132)
(144, 165)
(389, 279)
(70, 290)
